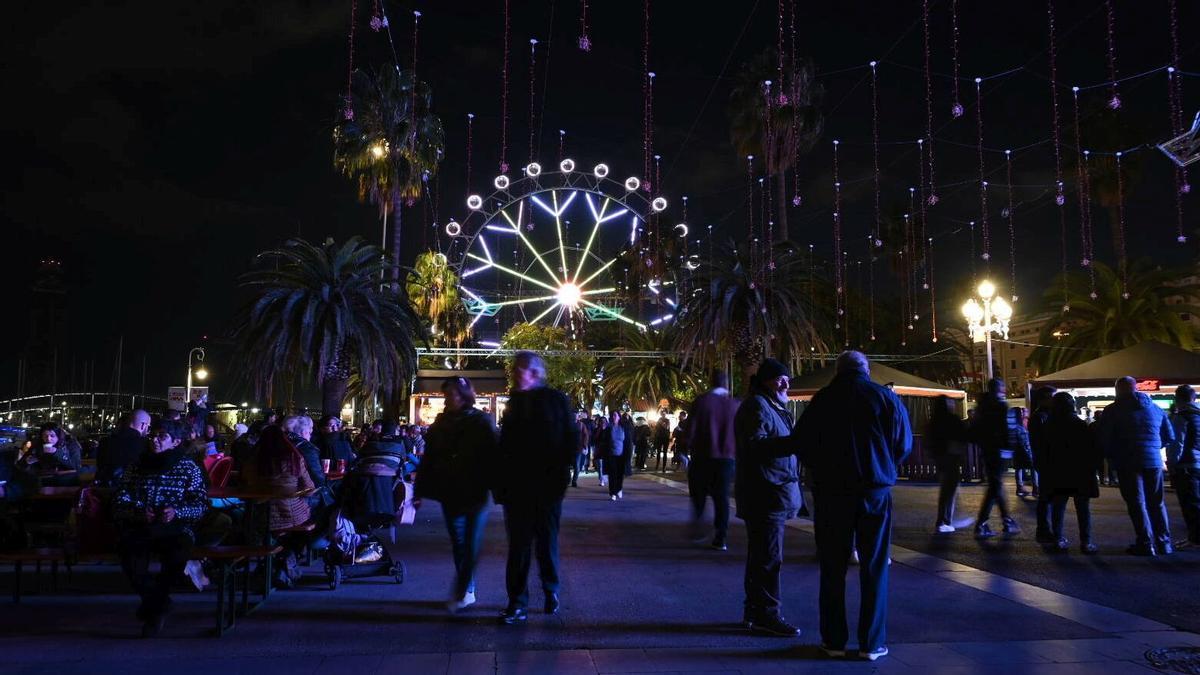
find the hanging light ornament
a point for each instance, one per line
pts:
(750, 220)
(931, 195)
(983, 184)
(914, 248)
(1059, 198)
(837, 235)
(504, 92)
(1121, 260)
(796, 200)
(922, 201)
(378, 20)
(769, 150)
(532, 98)
(1175, 106)
(1114, 101)
(932, 292)
(585, 42)
(871, 285)
(470, 134)
(875, 240)
(1090, 251)
(957, 108)
(348, 107)
(1010, 213)
(562, 146)
(1085, 259)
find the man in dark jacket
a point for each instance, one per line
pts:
(767, 489)
(854, 433)
(1133, 433)
(539, 439)
(1043, 397)
(1183, 459)
(157, 504)
(122, 448)
(710, 436)
(989, 429)
(332, 441)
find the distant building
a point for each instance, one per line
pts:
(1010, 358)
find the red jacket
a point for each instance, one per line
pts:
(710, 426)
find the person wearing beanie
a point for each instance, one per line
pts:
(767, 490)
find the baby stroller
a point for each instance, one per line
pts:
(363, 532)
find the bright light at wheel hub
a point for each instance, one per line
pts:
(569, 295)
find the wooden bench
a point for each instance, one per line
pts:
(304, 528)
(228, 559)
(34, 555)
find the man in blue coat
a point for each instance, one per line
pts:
(853, 435)
(1133, 433)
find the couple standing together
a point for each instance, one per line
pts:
(851, 437)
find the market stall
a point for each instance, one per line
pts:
(916, 393)
(427, 401)
(1157, 367)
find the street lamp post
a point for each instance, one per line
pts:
(201, 373)
(986, 315)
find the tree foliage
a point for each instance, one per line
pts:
(320, 309)
(649, 379)
(575, 374)
(1110, 321)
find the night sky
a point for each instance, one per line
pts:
(155, 148)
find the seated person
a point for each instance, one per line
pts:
(299, 430)
(156, 505)
(53, 451)
(333, 442)
(122, 448)
(278, 467)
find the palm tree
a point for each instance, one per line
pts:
(432, 288)
(1149, 309)
(649, 379)
(732, 312)
(796, 124)
(391, 144)
(320, 309)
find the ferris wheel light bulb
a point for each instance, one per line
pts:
(659, 204)
(501, 182)
(600, 171)
(474, 202)
(567, 165)
(632, 183)
(533, 169)
(453, 228)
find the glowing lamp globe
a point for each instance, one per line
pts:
(201, 373)
(1002, 309)
(986, 289)
(972, 311)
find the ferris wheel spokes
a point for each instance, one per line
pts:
(516, 228)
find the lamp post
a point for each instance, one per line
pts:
(986, 315)
(201, 373)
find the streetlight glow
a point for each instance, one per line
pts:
(986, 315)
(987, 289)
(201, 373)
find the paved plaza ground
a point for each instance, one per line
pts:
(637, 597)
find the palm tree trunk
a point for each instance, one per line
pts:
(397, 217)
(333, 393)
(781, 233)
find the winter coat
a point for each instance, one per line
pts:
(316, 471)
(539, 441)
(283, 513)
(68, 456)
(335, 446)
(1071, 458)
(1037, 441)
(989, 429)
(946, 437)
(381, 457)
(1018, 442)
(767, 477)
(1133, 432)
(853, 435)
(117, 451)
(709, 433)
(156, 481)
(662, 432)
(1186, 450)
(460, 449)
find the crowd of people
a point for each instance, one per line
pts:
(846, 447)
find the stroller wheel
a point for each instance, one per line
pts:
(334, 574)
(398, 572)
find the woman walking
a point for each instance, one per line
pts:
(618, 448)
(946, 436)
(460, 449)
(1073, 459)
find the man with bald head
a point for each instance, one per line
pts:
(1133, 432)
(122, 448)
(853, 435)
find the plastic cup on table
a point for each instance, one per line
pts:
(325, 465)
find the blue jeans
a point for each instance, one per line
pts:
(841, 522)
(466, 539)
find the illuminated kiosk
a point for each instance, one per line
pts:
(427, 401)
(1157, 367)
(916, 393)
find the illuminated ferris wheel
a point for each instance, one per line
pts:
(562, 248)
